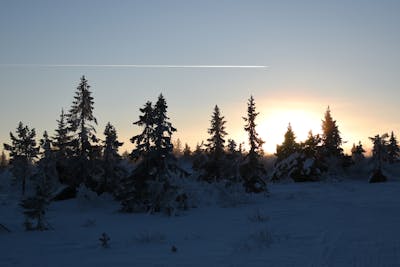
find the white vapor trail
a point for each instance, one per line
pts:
(135, 66)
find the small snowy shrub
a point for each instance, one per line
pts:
(299, 167)
(34, 209)
(104, 239)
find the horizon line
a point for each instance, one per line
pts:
(135, 66)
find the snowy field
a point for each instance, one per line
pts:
(347, 223)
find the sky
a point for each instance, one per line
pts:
(342, 54)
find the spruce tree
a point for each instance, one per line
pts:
(199, 157)
(379, 150)
(111, 159)
(331, 140)
(289, 145)
(45, 178)
(357, 152)
(80, 119)
(234, 160)
(311, 147)
(62, 145)
(214, 167)
(216, 141)
(47, 175)
(252, 170)
(393, 149)
(23, 151)
(84, 164)
(62, 139)
(131, 190)
(163, 131)
(149, 187)
(231, 147)
(379, 154)
(144, 140)
(34, 209)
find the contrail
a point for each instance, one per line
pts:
(135, 66)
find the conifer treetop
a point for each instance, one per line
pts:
(255, 141)
(216, 141)
(331, 139)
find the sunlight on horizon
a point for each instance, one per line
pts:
(274, 124)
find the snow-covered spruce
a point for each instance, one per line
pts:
(149, 187)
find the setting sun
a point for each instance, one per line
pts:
(274, 124)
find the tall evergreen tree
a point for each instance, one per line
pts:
(131, 190)
(252, 170)
(111, 159)
(331, 140)
(47, 175)
(149, 187)
(379, 150)
(85, 164)
(46, 178)
(379, 154)
(163, 131)
(23, 151)
(144, 140)
(62, 139)
(289, 145)
(213, 168)
(216, 141)
(393, 149)
(80, 119)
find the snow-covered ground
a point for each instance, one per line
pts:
(347, 223)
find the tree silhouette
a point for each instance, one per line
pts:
(289, 145)
(331, 140)
(252, 170)
(80, 117)
(149, 187)
(379, 154)
(214, 166)
(357, 152)
(23, 151)
(62, 139)
(144, 141)
(393, 149)
(111, 159)
(84, 166)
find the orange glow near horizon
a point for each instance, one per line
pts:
(274, 125)
(303, 115)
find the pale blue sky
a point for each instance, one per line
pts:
(339, 53)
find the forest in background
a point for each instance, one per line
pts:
(146, 179)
